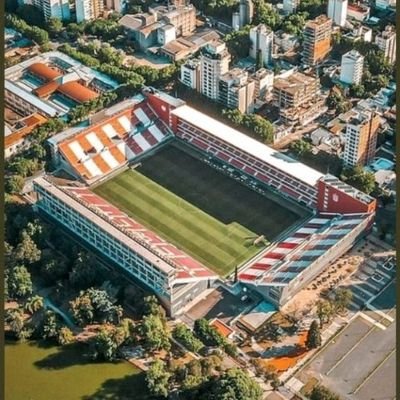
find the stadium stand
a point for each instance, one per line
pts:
(107, 145)
(161, 266)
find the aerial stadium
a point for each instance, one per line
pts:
(179, 200)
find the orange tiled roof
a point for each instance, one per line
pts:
(77, 92)
(47, 89)
(31, 122)
(222, 328)
(44, 71)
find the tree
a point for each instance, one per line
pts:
(342, 299)
(235, 384)
(49, 328)
(64, 336)
(53, 267)
(15, 184)
(155, 333)
(184, 335)
(322, 393)
(84, 272)
(27, 251)
(95, 305)
(325, 311)
(19, 283)
(359, 178)
(265, 13)
(103, 346)
(314, 336)
(357, 91)
(301, 147)
(238, 42)
(14, 318)
(54, 26)
(151, 306)
(157, 379)
(34, 304)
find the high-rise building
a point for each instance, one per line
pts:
(116, 5)
(264, 82)
(317, 40)
(88, 9)
(352, 67)
(190, 74)
(386, 41)
(262, 39)
(360, 138)
(53, 8)
(290, 6)
(246, 11)
(214, 62)
(337, 11)
(237, 91)
(235, 21)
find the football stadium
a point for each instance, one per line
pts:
(178, 200)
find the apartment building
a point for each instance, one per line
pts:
(214, 62)
(264, 83)
(262, 39)
(53, 8)
(290, 6)
(88, 9)
(235, 90)
(352, 67)
(386, 41)
(317, 40)
(360, 138)
(337, 11)
(190, 74)
(246, 12)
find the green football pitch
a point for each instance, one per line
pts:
(205, 213)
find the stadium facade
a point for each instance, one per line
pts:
(341, 214)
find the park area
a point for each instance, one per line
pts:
(210, 216)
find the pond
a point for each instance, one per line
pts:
(36, 371)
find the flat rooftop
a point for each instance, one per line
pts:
(245, 143)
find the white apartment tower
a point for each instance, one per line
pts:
(246, 11)
(337, 11)
(88, 9)
(290, 6)
(214, 62)
(352, 67)
(261, 38)
(386, 41)
(53, 8)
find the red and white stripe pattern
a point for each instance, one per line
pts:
(106, 146)
(188, 268)
(285, 260)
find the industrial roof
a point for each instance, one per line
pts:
(77, 92)
(253, 147)
(30, 98)
(44, 71)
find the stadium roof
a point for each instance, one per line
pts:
(255, 148)
(163, 255)
(44, 71)
(285, 261)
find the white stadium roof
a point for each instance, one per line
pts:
(255, 148)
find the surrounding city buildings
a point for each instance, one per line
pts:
(87, 10)
(53, 8)
(246, 12)
(352, 67)
(290, 6)
(261, 48)
(237, 91)
(361, 138)
(337, 11)
(214, 62)
(360, 12)
(317, 40)
(190, 74)
(51, 84)
(385, 4)
(118, 6)
(386, 41)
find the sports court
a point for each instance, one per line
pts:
(212, 217)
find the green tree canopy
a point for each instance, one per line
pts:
(157, 379)
(18, 281)
(314, 336)
(155, 333)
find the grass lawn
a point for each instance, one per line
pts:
(201, 211)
